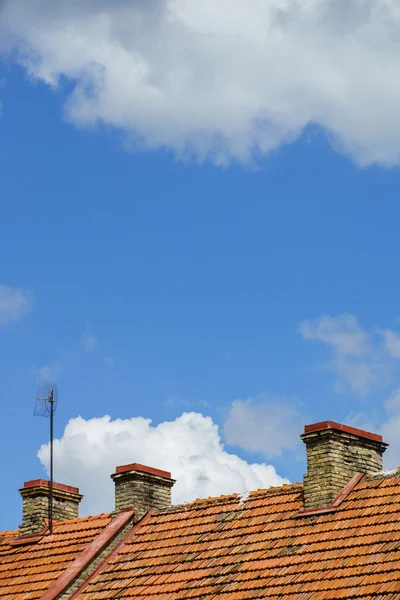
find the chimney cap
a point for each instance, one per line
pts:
(327, 425)
(142, 469)
(44, 483)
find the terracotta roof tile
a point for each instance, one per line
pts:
(27, 571)
(227, 549)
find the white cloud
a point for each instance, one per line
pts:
(190, 447)
(362, 376)
(358, 360)
(223, 80)
(14, 304)
(48, 372)
(392, 341)
(89, 340)
(343, 333)
(268, 425)
(392, 404)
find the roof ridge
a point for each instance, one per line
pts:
(8, 533)
(225, 498)
(385, 473)
(57, 523)
(82, 519)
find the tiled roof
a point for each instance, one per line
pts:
(233, 548)
(27, 571)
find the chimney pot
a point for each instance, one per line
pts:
(141, 488)
(335, 453)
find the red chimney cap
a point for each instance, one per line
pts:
(326, 425)
(45, 483)
(143, 469)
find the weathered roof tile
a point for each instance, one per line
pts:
(231, 549)
(27, 571)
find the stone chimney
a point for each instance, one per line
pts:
(335, 453)
(141, 488)
(35, 510)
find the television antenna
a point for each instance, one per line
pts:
(46, 404)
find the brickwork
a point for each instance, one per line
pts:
(142, 491)
(35, 509)
(333, 457)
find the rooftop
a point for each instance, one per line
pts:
(237, 548)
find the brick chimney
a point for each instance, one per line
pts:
(335, 453)
(35, 510)
(141, 488)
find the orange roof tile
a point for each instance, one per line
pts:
(27, 571)
(230, 548)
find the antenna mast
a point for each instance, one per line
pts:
(46, 403)
(51, 401)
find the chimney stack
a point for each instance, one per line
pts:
(335, 453)
(141, 488)
(35, 510)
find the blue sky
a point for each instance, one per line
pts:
(262, 294)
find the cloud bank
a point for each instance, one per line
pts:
(190, 447)
(224, 81)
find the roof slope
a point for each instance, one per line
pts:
(227, 548)
(27, 571)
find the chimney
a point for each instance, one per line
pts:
(35, 510)
(335, 453)
(141, 488)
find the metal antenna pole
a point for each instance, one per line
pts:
(51, 400)
(46, 404)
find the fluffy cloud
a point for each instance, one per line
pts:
(217, 79)
(14, 304)
(190, 447)
(360, 359)
(263, 424)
